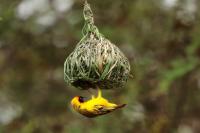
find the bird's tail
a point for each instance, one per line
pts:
(120, 106)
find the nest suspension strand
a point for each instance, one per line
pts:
(95, 62)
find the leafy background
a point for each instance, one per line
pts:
(160, 38)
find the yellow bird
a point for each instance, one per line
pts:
(95, 106)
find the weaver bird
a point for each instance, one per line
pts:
(95, 106)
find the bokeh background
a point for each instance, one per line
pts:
(161, 38)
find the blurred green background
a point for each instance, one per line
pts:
(161, 38)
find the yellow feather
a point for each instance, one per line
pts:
(95, 106)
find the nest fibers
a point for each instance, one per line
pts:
(95, 62)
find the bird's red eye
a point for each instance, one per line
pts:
(81, 99)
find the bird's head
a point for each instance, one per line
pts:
(77, 100)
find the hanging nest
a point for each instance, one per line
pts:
(95, 62)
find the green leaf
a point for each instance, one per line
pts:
(180, 67)
(105, 72)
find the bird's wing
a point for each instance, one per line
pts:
(97, 110)
(102, 109)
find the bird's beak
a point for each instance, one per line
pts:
(81, 96)
(84, 98)
(81, 99)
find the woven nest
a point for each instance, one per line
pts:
(95, 62)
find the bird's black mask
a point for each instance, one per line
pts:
(81, 99)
